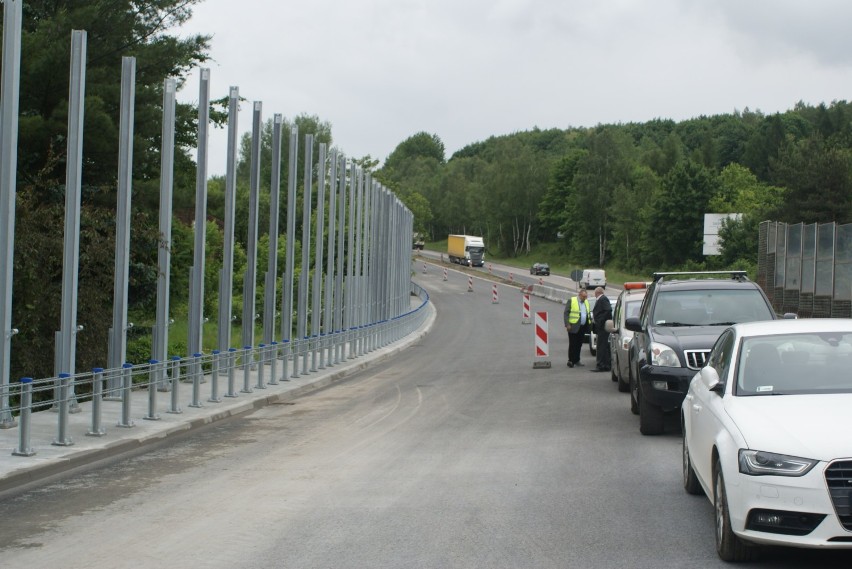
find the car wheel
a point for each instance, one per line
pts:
(728, 545)
(634, 405)
(623, 386)
(650, 417)
(690, 480)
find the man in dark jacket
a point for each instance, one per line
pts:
(600, 314)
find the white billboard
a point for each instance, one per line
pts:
(712, 224)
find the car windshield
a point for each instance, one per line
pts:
(805, 363)
(713, 307)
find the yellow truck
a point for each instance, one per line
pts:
(466, 250)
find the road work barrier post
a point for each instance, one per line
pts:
(424, 268)
(494, 297)
(511, 278)
(541, 281)
(490, 269)
(24, 448)
(469, 284)
(525, 305)
(542, 348)
(445, 273)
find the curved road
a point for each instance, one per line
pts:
(457, 454)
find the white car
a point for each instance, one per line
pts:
(626, 306)
(766, 435)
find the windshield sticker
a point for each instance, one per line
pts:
(762, 388)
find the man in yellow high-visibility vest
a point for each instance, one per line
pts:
(576, 317)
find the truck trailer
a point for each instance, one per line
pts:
(466, 250)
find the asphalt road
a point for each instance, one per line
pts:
(456, 454)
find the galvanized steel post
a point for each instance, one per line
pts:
(66, 350)
(250, 277)
(196, 297)
(196, 380)
(261, 357)
(214, 378)
(232, 365)
(9, 105)
(226, 275)
(246, 370)
(273, 365)
(24, 448)
(126, 389)
(167, 149)
(175, 401)
(62, 438)
(96, 429)
(153, 380)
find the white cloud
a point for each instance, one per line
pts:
(382, 70)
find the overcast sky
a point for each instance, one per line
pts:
(382, 70)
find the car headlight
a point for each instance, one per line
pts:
(760, 463)
(662, 355)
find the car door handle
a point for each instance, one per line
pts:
(696, 407)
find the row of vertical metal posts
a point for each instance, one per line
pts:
(371, 336)
(367, 251)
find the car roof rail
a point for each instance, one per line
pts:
(735, 275)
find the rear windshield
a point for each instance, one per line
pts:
(631, 308)
(796, 364)
(718, 307)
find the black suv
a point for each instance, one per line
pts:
(681, 317)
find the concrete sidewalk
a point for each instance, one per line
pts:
(51, 460)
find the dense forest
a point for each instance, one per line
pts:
(626, 195)
(634, 195)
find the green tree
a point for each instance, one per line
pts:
(677, 215)
(115, 28)
(818, 177)
(600, 176)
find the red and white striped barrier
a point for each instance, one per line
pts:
(541, 281)
(511, 278)
(490, 267)
(469, 284)
(424, 268)
(526, 309)
(542, 347)
(445, 273)
(494, 298)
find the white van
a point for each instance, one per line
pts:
(592, 278)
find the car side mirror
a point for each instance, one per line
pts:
(710, 378)
(609, 326)
(790, 316)
(633, 324)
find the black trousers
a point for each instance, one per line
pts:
(604, 357)
(575, 344)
